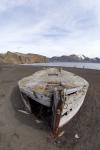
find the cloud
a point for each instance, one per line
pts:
(50, 28)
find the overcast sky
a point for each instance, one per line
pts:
(50, 27)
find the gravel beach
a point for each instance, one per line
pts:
(22, 132)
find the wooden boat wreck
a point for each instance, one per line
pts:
(60, 92)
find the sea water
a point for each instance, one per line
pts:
(95, 66)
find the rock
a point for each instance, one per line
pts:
(77, 136)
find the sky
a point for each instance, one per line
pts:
(50, 27)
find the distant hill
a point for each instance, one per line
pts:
(19, 58)
(74, 58)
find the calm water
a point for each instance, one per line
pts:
(95, 66)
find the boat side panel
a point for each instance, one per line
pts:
(72, 106)
(41, 100)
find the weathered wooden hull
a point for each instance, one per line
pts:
(43, 85)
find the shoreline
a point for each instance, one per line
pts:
(80, 65)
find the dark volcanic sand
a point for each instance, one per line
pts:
(21, 132)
